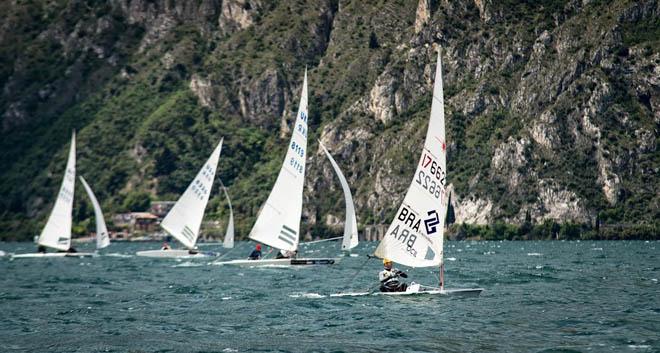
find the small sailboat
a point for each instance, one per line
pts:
(350, 238)
(102, 237)
(57, 232)
(185, 218)
(278, 223)
(416, 235)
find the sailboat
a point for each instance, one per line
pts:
(278, 223)
(184, 220)
(350, 238)
(56, 234)
(102, 237)
(415, 236)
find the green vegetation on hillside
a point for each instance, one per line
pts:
(122, 81)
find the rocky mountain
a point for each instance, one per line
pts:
(553, 107)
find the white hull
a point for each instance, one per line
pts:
(463, 292)
(280, 262)
(173, 254)
(54, 254)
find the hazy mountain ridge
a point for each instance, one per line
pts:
(552, 110)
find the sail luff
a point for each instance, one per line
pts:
(415, 236)
(350, 239)
(56, 233)
(185, 218)
(102, 238)
(278, 222)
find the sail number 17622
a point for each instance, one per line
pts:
(431, 177)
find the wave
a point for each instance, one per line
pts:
(307, 295)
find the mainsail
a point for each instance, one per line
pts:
(278, 223)
(102, 238)
(350, 239)
(415, 237)
(185, 218)
(228, 243)
(57, 232)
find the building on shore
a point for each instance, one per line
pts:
(136, 221)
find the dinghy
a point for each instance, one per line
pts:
(57, 232)
(350, 239)
(102, 237)
(415, 236)
(278, 222)
(185, 218)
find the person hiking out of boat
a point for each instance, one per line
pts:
(193, 251)
(256, 253)
(41, 249)
(389, 278)
(286, 254)
(166, 246)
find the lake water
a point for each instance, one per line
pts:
(539, 297)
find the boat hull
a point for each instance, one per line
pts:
(173, 254)
(463, 292)
(53, 254)
(280, 262)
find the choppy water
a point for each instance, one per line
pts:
(539, 297)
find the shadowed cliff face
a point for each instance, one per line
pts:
(552, 109)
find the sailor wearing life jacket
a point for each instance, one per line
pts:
(389, 278)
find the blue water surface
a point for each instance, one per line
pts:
(550, 296)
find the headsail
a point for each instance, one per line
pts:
(185, 218)
(415, 237)
(350, 224)
(229, 234)
(102, 238)
(278, 223)
(57, 232)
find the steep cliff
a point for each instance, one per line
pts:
(553, 108)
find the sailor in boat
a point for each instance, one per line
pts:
(286, 254)
(71, 250)
(389, 278)
(166, 246)
(41, 249)
(193, 251)
(256, 253)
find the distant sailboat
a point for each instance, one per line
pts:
(102, 237)
(185, 218)
(415, 236)
(57, 232)
(228, 242)
(278, 223)
(350, 239)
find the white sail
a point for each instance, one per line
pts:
(350, 239)
(278, 223)
(415, 237)
(57, 232)
(185, 218)
(228, 243)
(102, 237)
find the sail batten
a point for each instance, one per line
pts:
(350, 239)
(102, 237)
(415, 236)
(278, 222)
(56, 233)
(184, 220)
